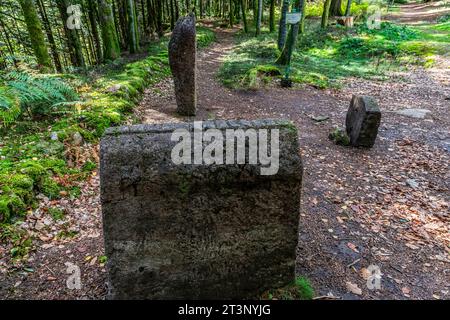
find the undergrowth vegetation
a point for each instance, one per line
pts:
(301, 289)
(325, 57)
(50, 155)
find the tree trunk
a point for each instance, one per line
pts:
(286, 54)
(349, 8)
(259, 18)
(336, 8)
(326, 13)
(73, 41)
(244, 15)
(133, 33)
(111, 48)
(50, 37)
(93, 14)
(272, 16)
(37, 37)
(282, 31)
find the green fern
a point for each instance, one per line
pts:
(36, 93)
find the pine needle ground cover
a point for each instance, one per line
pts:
(41, 154)
(323, 58)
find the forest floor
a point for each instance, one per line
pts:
(387, 206)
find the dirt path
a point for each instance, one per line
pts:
(420, 13)
(387, 206)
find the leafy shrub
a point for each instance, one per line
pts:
(444, 18)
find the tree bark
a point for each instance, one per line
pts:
(282, 31)
(133, 33)
(326, 13)
(50, 37)
(259, 18)
(244, 15)
(73, 41)
(272, 16)
(111, 48)
(37, 37)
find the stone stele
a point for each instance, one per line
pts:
(182, 59)
(363, 121)
(197, 231)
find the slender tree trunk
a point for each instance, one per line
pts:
(326, 13)
(244, 15)
(51, 39)
(73, 41)
(336, 8)
(230, 13)
(93, 14)
(303, 18)
(291, 42)
(349, 8)
(272, 16)
(37, 37)
(133, 33)
(282, 31)
(111, 48)
(259, 18)
(159, 18)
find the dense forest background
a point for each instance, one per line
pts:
(62, 35)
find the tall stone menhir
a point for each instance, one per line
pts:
(182, 58)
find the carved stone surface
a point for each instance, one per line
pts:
(197, 231)
(363, 121)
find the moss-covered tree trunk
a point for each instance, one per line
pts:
(230, 13)
(272, 16)
(303, 18)
(72, 39)
(92, 11)
(326, 13)
(50, 37)
(36, 36)
(286, 54)
(244, 15)
(133, 31)
(283, 30)
(336, 8)
(259, 17)
(111, 48)
(349, 8)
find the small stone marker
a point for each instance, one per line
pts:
(200, 231)
(363, 121)
(182, 59)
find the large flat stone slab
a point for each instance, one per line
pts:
(197, 231)
(414, 113)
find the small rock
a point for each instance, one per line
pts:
(54, 136)
(414, 113)
(114, 88)
(353, 288)
(412, 183)
(77, 139)
(320, 118)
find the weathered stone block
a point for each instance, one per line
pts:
(217, 231)
(363, 121)
(182, 59)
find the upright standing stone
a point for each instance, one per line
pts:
(363, 121)
(197, 231)
(182, 58)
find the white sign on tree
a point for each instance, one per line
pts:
(293, 17)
